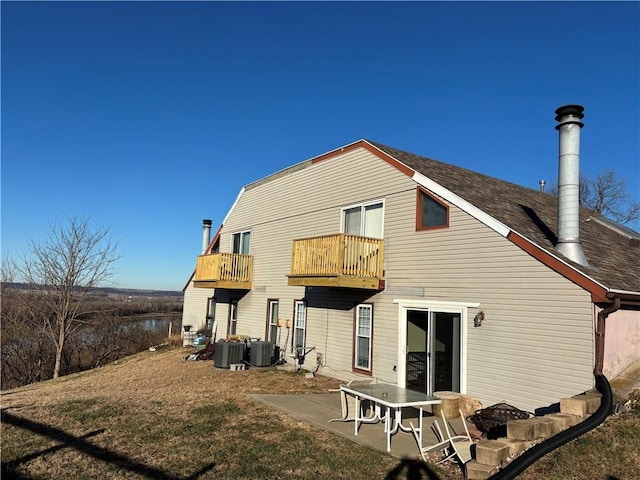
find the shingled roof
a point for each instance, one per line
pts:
(614, 258)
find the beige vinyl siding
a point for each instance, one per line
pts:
(353, 177)
(331, 326)
(306, 203)
(194, 308)
(535, 345)
(385, 339)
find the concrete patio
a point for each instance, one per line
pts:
(318, 409)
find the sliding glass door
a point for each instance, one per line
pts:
(433, 351)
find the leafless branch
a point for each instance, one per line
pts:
(63, 268)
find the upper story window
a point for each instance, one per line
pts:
(241, 241)
(365, 219)
(431, 213)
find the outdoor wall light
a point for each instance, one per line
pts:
(478, 319)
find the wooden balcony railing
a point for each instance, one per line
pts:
(338, 261)
(224, 270)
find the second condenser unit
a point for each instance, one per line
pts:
(261, 354)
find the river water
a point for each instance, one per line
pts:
(159, 325)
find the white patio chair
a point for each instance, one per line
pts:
(461, 444)
(443, 444)
(348, 406)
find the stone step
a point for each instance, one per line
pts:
(581, 405)
(516, 447)
(491, 455)
(521, 434)
(566, 420)
(492, 452)
(478, 471)
(548, 427)
(522, 429)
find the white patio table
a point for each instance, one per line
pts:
(394, 399)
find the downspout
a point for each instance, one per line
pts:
(600, 329)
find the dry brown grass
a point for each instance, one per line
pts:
(155, 416)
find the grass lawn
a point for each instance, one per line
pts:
(155, 416)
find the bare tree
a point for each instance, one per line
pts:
(25, 350)
(62, 270)
(27, 354)
(8, 273)
(607, 195)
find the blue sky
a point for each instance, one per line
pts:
(148, 117)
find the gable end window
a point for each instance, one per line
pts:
(363, 338)
(431, 213)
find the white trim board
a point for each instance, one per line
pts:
(432, 305)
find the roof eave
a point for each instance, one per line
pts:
(598, 291)
(627, 298)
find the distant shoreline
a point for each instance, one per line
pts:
(133, 292)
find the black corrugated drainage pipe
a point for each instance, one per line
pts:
(536, 452)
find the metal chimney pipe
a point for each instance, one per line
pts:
(569, 125)
(206, 234)
(542, 183)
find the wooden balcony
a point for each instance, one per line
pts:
(224, 270)
(338, 261)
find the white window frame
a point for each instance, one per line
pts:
(241, 235)
(358, 337)
(362, 206)
(299, 325)
(233, 317)
(439, 306)
(211, 308)
(272, 323)
(211, 314)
